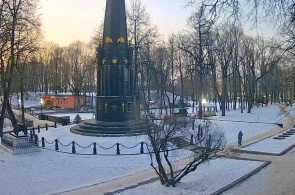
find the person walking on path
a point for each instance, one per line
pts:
(240, 137)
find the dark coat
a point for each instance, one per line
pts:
(240, 135)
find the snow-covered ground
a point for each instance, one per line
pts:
(277, 145)
(207, 179)
(48, 171)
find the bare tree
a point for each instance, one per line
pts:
(141, 31)
(224, 49)
(195, 45)
(167, 138)
(78, 59)
(259, 59)
(17, 17)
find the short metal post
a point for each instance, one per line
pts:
(202, 132)
(141, 148)
(192, 139)
(36, 141)
(38, 128)
(209, 141)
(94, 148)
(31, 134)
(118, 149)
(43, 142)
(46, 126)
(56, 144)
(73, 147)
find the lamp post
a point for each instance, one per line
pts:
(239, 101)
(19, 106)
(204, 101)
(264, 100)
(41, 102)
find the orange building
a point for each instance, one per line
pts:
(64, 101)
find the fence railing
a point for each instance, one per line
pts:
(19, 142)
(95, 146)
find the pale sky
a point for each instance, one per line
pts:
(65, 21)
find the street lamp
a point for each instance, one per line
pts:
(19, 105)
(41, 102)
(264, 100)
(204, 101)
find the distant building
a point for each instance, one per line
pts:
(68, 101)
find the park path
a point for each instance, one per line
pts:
(276, 178)
(35, 120)
(108, 187)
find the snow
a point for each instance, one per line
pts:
(207, 179)
(277, 146)
(49, 171)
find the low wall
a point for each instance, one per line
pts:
(63, 120)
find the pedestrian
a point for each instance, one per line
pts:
(240, 137)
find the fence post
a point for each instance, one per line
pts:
(94, 148)
(141, 147)
(46, 126)
(33, 130)
(56, 144)
(43, 142)
(118, 149)
(55, 124)
(73, 147)
(31, 135)
(201, 131)
(209, 144)
(36, 141)
(38, 128)
(192, 139)
(193, 125)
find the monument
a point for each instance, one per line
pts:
(16, 143)
(115, 87)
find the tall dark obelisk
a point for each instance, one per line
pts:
(114, 102)
(115, 95)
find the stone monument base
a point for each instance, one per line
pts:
(17, 144)
(110, 129)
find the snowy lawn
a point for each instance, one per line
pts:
(48, 171)
(270, 145)
(259, 121)
(207, 179)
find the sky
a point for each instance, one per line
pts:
(49, 172)
(65, 21)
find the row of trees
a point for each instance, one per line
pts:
(218, 62)
(19, 38)
(211, 60)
